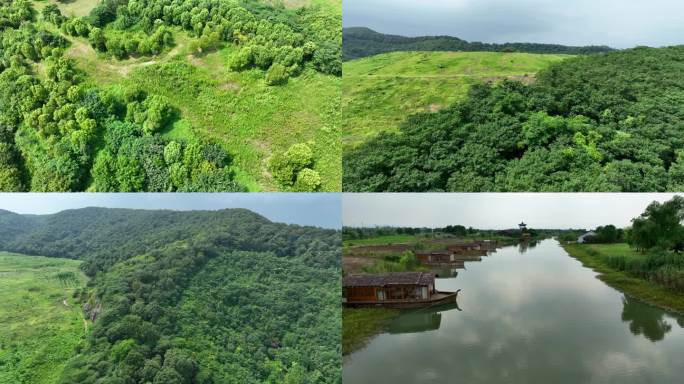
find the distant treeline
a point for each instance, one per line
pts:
(361, 42)
(357, 233)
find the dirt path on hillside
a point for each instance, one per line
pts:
(81, 49)
(85, 322)
(485, 77)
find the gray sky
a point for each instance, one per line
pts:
(617, 23)
(318, 209)
(495, 210)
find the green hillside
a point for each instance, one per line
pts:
(609, 122)
(379, 92)
(177, 297)
(164, 96)
(41, 322)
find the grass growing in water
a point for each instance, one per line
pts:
(41, 325)
(595, 256)
(359, 325)
(380, 91)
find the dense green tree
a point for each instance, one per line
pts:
(308, 180)
(659, 226)
(276, 75)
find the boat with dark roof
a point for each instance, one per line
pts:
(394, 290)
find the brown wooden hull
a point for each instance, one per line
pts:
(439, 298)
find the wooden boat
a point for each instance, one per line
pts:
(394, 290)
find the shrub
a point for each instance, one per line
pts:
(308, 180)
(286, 167)
(276, 75)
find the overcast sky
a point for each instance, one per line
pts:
(495, 211)
(617, 23)
(318, 209)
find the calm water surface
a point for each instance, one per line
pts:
(527, 316)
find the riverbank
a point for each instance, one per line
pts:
(359, 325)
(644, 290)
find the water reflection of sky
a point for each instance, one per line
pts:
(532, 317)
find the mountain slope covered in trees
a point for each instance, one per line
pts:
(609, 122)
(362, 42)
(166, 95)
(195, 297)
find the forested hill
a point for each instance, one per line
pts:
(196, 296)
(609, 122)
(360, 42)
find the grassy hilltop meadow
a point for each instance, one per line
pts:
(379, 92)
(553, 119)
(167, 95)
(167, 297)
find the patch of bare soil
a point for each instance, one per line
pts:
(434, 107)
(264, 148)
(79, 48)
(380, 248)
(194, 60)
(525, 79)
(352, 264)
(230, 86)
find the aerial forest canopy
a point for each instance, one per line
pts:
(362, 42)
(609, 122)
(60, 132)
(194, 297)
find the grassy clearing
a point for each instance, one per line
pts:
(650, 292)
(41, 325)
(249, 118)
(379, 92)
(77, 8)
(359, 325)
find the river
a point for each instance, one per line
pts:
(532, 315)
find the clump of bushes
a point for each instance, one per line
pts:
(294, 169)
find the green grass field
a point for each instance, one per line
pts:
(591, 255)
(41, 324)
(76, 8)
(379, 92)
(250, 119)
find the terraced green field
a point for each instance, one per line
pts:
(379, 92)
(41, 324)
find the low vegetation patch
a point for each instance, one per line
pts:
(380, 92)
(607, 261)
(42, 323)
